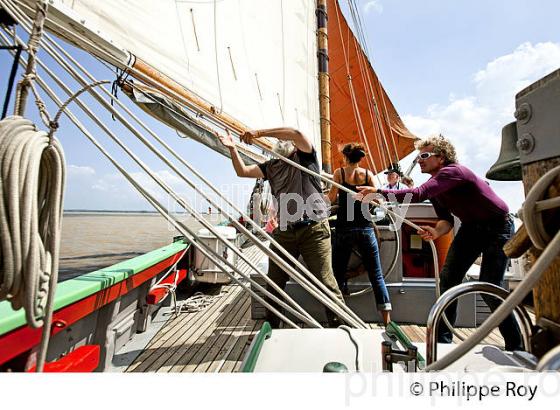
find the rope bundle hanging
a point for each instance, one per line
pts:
(31, 181)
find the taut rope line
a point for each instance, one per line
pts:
(294, 273)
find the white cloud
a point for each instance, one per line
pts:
(75, 171)
(373, 5)
(87, 190)
(474, 122)
(501, 78)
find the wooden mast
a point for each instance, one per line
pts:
(538, 128)
(324, 92)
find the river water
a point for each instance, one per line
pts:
(95, 240)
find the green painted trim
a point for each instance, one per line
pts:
(251, 362)
(394, 330)
(73, 290)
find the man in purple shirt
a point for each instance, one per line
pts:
(486, 225)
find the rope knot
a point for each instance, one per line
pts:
(27, 79)
(53, 127)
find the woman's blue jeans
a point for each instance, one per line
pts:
(365, 242)
(487, 238)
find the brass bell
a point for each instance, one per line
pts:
(508, 165)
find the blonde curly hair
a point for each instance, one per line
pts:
(442, 147)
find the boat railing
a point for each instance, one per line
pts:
(452, 295)
(550, 362)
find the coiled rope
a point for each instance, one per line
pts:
(196, 303)
(534, 204)
(31, 183)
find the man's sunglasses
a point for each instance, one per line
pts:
(425, 155)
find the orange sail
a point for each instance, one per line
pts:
(360, 109)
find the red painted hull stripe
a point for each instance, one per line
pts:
(82, 360)
(24, 338)
(156, 295)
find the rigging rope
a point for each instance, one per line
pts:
(295, 274)
(32, 45)
(181, 227)
(279, 261)
(32, 184)
(11, 80)
(266, 304)
(535, 204)
(357, 118)
(85, 43)
(113, 136)
(372, 104)
(170, 287)
(436, 268)
(375, 120)
(369, 88)
(357, 345)
(312, 277)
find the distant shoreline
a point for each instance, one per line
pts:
(114, 212)
(107, 211)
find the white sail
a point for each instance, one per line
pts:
(254, 60)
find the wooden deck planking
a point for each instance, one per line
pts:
(166, 342)
(217, 338)
(237, 350)
(214, 339)
(217, 354)
(224, 343)
(417, 334)
(170, 331)
(414, 333)
(187, 338)
(178, 321)
(217, 349)
(193, 351)
(252, 253)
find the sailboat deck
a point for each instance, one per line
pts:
(212, 340)
(217, 338)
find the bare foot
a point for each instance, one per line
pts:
(386, 314)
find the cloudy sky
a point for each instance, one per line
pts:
(474, 121)
(448, 66)
(455, 66)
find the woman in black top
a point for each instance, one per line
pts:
(355, 228)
